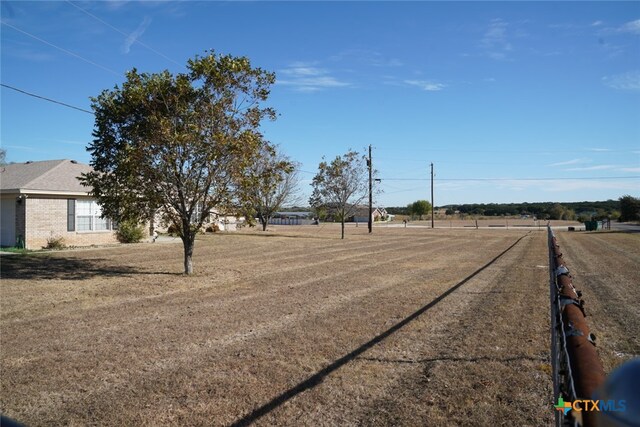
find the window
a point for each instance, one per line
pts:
(71, 214)
(88, 217)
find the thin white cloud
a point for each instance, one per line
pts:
(597, 23)
(303, 71)
(632, 27)
(515, 185)
(599, 150)
(23, 148)
(593, 168)
(34, 56)
(452, 186)
(568, 185)
(495, 34)
(629, 81)
(305, 77)
(570, 162)
(565, 26)
(25, 50)
(428, 85)
(133, 37)
(590, 184)
(367, 57)
(633, 170)
(612, 50)
(70, 142)
(495, 42)
(393, 62)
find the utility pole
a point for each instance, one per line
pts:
(432, 205)
(370, 191)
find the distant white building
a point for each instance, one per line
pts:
(361, 214)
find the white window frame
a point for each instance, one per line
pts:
(89, 208)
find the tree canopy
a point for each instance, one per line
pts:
(178, 145)
(420, 208)
(541, 210)
(629, 208)
(339, 186)
(270, 181)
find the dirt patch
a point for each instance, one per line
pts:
(115, 336)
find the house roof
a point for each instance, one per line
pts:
(49, 176)
(363, 211)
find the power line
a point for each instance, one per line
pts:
(62, 49)
(538, 179)
(123, 33)
(402, 191)
(513, 179)
(506, 151)
(45, 98)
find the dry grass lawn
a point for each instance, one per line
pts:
(606, 267)
(294, 327)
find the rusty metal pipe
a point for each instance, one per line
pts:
(586, 367)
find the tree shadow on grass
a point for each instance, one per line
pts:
(46, 267)
(316, 379)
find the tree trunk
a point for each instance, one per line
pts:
(343, 228)
(188, 242)
(263, 221)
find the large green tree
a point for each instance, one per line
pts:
(629, 208)
(557, 211)
(420, 208)
(340, 186)
(177, 145)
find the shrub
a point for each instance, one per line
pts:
(172, 230)
(213, 228)
(129, 232)
(55, 242)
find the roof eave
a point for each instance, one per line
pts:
(28, 191)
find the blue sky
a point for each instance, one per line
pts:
(511, 101)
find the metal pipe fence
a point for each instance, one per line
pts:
(576, 368)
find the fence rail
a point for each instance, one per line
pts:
(290, 221)
(576, 368)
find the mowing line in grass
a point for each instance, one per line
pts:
(318, 377)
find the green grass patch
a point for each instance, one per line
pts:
(15, 250)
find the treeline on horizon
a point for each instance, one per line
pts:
(626, 208)
(541, 210)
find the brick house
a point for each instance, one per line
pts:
(45, 199)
